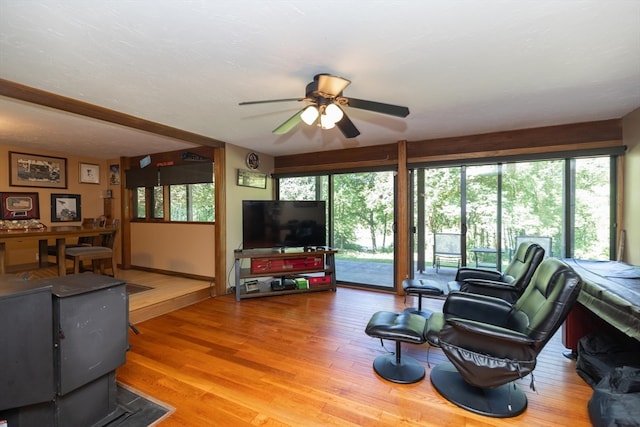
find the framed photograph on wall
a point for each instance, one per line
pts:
(65, 208)
(19, 206)
(29, 170)
(247, 178)
(89, 173)
(114, 174)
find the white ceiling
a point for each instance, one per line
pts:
(461, 66)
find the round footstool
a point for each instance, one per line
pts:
(398, 327)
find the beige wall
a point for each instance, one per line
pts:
(631, 209)
(180, 248)
(235, 194)
(91, 197)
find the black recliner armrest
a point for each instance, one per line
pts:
(484, 338)
(489, 331)
(477, 273)
(487, 283)
(491, 288)
(481, 308)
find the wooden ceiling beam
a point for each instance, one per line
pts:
(51, 100)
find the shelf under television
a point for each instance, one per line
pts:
(325, 268)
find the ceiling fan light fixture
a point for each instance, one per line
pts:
(326, 122)
(309, 115)
(325, 104)
(334, 113)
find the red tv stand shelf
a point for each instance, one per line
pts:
(318, 266)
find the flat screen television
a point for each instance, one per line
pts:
(283, 224)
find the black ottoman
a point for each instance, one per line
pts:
(398, 327)
(420, 288)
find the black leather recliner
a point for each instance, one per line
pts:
(491, 343)
(508, 285)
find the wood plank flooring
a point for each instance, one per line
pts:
(304, 360)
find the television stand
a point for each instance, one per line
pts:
(315, 267)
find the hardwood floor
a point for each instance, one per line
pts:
(304, 360)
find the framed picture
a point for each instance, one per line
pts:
(114, 174)
(247, 178)
(89, 173)
(65, 208)
(29, 170)
(19, 206)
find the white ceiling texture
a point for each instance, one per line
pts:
(461, 66)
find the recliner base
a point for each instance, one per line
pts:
(501, 402)
(407, 371)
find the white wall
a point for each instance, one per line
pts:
(631, 209)
(235, 194)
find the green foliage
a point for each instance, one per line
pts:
(532, 200)
(364, 201)
(192, 202)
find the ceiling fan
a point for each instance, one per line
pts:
(325, 106)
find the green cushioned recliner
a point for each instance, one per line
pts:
(490, 342)
(508, 285)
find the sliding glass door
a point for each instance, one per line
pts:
(473, 215)
(482, 224)
(361, 222)
(564, 205)
(594, 236)
(363, 228)
(534, 205)
(437, 221)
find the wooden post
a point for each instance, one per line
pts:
(403, 229)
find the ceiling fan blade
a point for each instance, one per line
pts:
(347, 127)
(269, 101)
(289, 124)
(378, 107)
(331, 85)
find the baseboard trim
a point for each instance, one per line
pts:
(173, 273)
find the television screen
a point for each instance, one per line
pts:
(283, 223)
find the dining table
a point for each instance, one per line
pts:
(43, 235)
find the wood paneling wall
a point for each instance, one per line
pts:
(347, 159)
(569, 137)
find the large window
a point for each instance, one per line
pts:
(593, 224)
(183, 193)
(303, 188)
(140, 203)
(565, 205)
(533, 204)
(192, 202)
(157, 202)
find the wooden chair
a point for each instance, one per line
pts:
(52, 250)
(98, 255)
